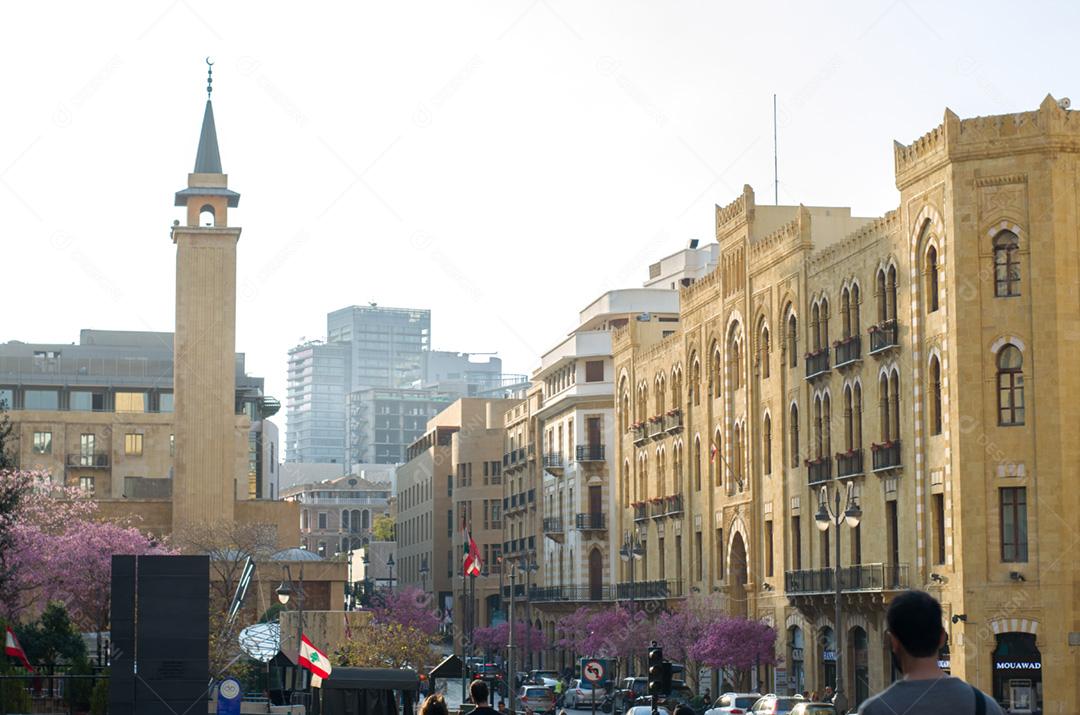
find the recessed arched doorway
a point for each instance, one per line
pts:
(596, 575)
(1017, 665)
(737, 576)
(857, 666)
(827, 667)
(796, 653)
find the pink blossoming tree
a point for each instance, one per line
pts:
(736, 646)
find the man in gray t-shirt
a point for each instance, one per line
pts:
(916, 635)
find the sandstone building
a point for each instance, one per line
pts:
(924, 357)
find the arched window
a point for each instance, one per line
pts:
(934, 392)
(676, 468)
(857, 419)
(643, 477)
(845, 313)
(853, 310)
(815, 325)
(793, 341)
(643, 408)
(824, 324)
(716, 463)
(892, 293)
(206, 216)
(818, 440)
(894, 396)
(736, 457)
(793, 439)
(849, 420)
(882, 299)
(344, 519)
(763, 350)
(625, 482)
(624, 405)
(931, 280)
(676, 388)
(886, 413)
(736, 363)
(660, 394)
(717, 372)
(1010, 384)
(826, 426)
(1006, 265)
(697, 463)
(695, 379)
(766, 445)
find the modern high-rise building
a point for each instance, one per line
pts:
(386, 345)
(381, 423)
(318, 384)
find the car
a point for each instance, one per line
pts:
(808, 708)
(680, 694)
(633, 688)
(773, 704)
(733, 704)
(538, 698)
(544, 677)
(646, 710)
(492, 674)
(581, 692)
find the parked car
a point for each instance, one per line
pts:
(633, 688)
(538, 698)
(733, 704)
(808, 708)
(646, 710)
(544, 677)
(492, 674)
(580, 693)
(773, 704)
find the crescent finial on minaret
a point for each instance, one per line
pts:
(209, 77)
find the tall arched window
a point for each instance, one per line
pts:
(676, 468)
(886, 413)
(931, 280)
(626, 482)
(793, 436)
(894, 396)
(892, 293)
(934, 392)
(716, 463)
(643, 477)
(818, 442)
(624, 405)
(1010, 384)
(660, 394)
(793, 341)
(824, 324)
(717, 372)
(882, 299)
(766, 445)
(695, 379)
(857, 419)
(736, 363)
(815, 325)
(697, 463)
(849, 420)
(661, 472)
(845, 313)
(736, 457)
(826, 426)
(676, 388)
(853, 310)
(763, 350)
(1006, 264)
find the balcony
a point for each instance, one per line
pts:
(848, 351)
(553, 528)
(519, 590)
(648, 590)
(674, 505)
(569, 594)
(655, 426)
(884, 336)
(638, 431)
(553, 461)
(590, 453)
(849, 464)
(592, 522)
(641, 511)
(88, 460)
(673, 421)
(886, 456)
(817, 363)
(658, 507)
(858, 578)
(818, 470)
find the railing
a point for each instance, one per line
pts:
(849, 464)
(639, 590)
(590, 453)
(95, 460)
(849, 350)
(655, 426)
(883, 336)
(553, 460)
(645, 590)
(673, 421)
(519, 590)
(817, 363)
(638, 430)
(675, 505)
(861, 577)
(658, 509)
(886, 455)
(592, 522)
(553, 525)
(641, 512)
(819, 470)
(548, 594)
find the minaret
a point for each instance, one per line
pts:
(205, 344)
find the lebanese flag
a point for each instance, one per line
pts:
(712, 452)
(12, 648)
(472, 565)
(314, 660)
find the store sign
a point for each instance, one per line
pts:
(796, 654)
(1018, 665)
(829, 656)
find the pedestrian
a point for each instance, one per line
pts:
(683, 709)
(707, 697)
(434, 705)
(502, 707)
(814, 696)
(479, 692)
(915, 636)
(829, 695)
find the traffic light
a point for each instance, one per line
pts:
(656, 670)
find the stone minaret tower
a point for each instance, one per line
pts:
(204, 490)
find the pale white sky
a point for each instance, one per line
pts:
(499, 162)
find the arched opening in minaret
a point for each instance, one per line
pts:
(206, 216)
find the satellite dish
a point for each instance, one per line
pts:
(1064, 102)
(261, 641)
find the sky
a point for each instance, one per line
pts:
(501, 163)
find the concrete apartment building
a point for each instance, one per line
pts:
(908, 358)
(99, 414)
(382, 422)
(454, 476)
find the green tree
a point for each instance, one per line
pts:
(52, 638)
(382, 529)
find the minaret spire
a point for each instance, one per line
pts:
(209, 78)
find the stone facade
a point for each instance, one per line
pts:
(900, 355)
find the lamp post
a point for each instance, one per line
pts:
(390, 565)
(366, 562)
(284, 593)
(632, 550)
(829, 514)
(424, 570)
(527, 566)
(511, 674)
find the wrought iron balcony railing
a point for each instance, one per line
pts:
(849, 464)
(819, 470)
(848, 351)
(886, 455)
(884, 336)
(860, 577)
(817, 363)
(592, 521)
(590, 452)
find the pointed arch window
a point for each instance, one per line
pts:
(695, 380)
(931, 279)
(736, 363)
(815, 325)
(857, 417)
(886, 413)
(891, 293)
(853, 309)
(934, 391)
(697, 463)
(824, 345)
(793, 341)
(763, 351)
(1010, 384)
(1006, 265)
(845, 313)
(882, 300)
(894, 406)
(766, 445)
(716, 463)
(793, 436)
(849, 420)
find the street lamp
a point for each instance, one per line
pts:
(390, 565)
(632, 550)
(424, 570)
(511, 674)
(527, 565)
(284, 593)
(830, 514)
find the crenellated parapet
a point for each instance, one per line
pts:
(795, 232)
(738, 212)
(855, 242)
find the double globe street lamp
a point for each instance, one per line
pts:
(829, 513)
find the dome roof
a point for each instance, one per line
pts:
(296, 555)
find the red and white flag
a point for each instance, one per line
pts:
(314, 660)
(472, 565)
(713, 452)
(12, 648)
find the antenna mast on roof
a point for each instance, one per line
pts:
(775, 164)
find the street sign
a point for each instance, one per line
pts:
(593, 670)
(229, 697)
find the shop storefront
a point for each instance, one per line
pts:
(860, 664)
(827, 669)
(1018, 673)
(796, 674)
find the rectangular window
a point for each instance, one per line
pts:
(86, 450)
(450, 563)
(594, 371)
(856, 545)
(41, 400)
(131, 401)
(322, 519)
(7, 398)
(172, 445)
(796, 544)
(42, 443)
(825, 563)
(133, 444)
(892, 521)
(166, 402)
(938, 506)
(1014, 546)
(450, 522)
(83, 401)
(449, 485)
(86, 484)
(769, 548)
(662, 556)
